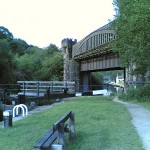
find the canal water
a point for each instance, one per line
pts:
(112, 88)
(105, 89)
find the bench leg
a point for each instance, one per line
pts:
(61, 136)
(71, 127)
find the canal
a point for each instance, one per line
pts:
(112, 88)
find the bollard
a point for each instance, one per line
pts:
(7, 116)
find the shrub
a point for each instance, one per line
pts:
(141, 93)
(45, 102)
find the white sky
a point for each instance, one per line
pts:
(41, 22)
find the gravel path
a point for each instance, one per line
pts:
(141, 121)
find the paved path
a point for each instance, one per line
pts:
(141, 121)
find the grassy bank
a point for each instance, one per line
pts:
(100, 125)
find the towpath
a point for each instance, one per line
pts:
(141, 121)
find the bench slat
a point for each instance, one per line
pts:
(49, 142)
(62, 120)
(43, 139)
(57, 131)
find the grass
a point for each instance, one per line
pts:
(144, 104)
(141, 102)
(100, 125)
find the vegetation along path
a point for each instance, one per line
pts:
(141, 121)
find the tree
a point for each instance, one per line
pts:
(5, 33)
(41, 64)
(7, 62)
(51, 49)
(19, 46)
(30, 63)
(52, 64)
(18, 60)
(132, 30)
(52, 67)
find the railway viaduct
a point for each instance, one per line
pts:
(91, 54)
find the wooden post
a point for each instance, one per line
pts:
(71, 126)
(66, 85)
(61, 136)
(23, 88)
(26, 87)
(37, 88)
(52, 87)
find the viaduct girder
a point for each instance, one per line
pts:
(94, 53)
(104, 62)
(95, 44)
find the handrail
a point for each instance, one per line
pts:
(42, 86)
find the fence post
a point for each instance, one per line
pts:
(23, 88)
(37, 88)
(71, 126)
(61, 136)
(52, 86)
(66, 85)
(26, 87)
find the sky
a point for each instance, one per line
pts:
(45, 22)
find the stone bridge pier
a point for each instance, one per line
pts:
(71, 66)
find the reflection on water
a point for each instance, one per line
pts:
(105, 89)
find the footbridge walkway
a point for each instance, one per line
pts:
(39, 88)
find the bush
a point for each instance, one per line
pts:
(45, 102)
(141, 93)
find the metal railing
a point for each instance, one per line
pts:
(7, 89)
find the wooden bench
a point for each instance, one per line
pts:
(54, 139)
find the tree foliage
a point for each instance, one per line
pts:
(19, 46)
(20, 61)
(42, 64)
(5, 33)
(53, 67)
(51, 49)
(132, 29)
(7, 62)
